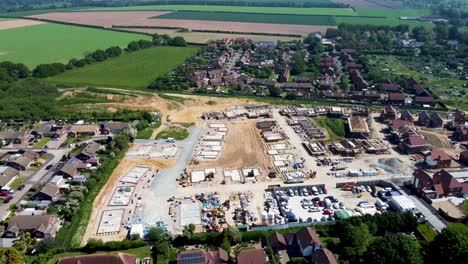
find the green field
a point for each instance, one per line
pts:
(49, 43)
(239, 9)
(131, 70)
(393, 13)
(380, 21)
(251, 18)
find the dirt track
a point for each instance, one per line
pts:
(17, 23)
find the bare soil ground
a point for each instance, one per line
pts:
(437, 138)
(142, 18)
(103, 19)
(188, 111)
(17, 23)
(202, 38)
(106, 193)
(243, 147)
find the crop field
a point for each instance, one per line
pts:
(131, 70)
(386, 21)
(239, 9)
(102, 19)
(142, 19)
(251, 18)
(49, 43)
(206, 37)
(394, 13)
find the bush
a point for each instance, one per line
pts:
(47, 70)
(94, 245)
(253, 235)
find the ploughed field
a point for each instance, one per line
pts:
(144, 19)
(130, 70)
(237, 9)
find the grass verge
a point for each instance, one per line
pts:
(70, 237)
(172, 98)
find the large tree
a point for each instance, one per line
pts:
(450, 246)
(394, 249)
(354, 239)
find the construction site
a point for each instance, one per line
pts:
(252, 165)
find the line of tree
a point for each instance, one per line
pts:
(52, 69)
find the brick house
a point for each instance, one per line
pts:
(464, 157)
(437, 159)
(200, 256)
(414, 144)
(441, 184)
(406, 115)
(39, 226)
(461, 133)
(388, 113)
(396, 98)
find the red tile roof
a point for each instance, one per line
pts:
(396, 96)
(323, 256)
(252, 256)
(398, 123)
(417, 141)
(440, 155)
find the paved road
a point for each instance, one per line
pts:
(165, 184)
(41, 176)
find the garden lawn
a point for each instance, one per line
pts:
(17, 182)
(42, 143)
(240, 9)
(50, 42)
(251, 18)
(335, 127)
(176, 133)
(427, 232)
(134, 70)
(145, 133)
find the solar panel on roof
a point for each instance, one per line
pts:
(192, 258)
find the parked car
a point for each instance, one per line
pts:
(8, 199)
(324, 189)
(21, 187)
(4, 194)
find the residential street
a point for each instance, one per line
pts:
(41, 176)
